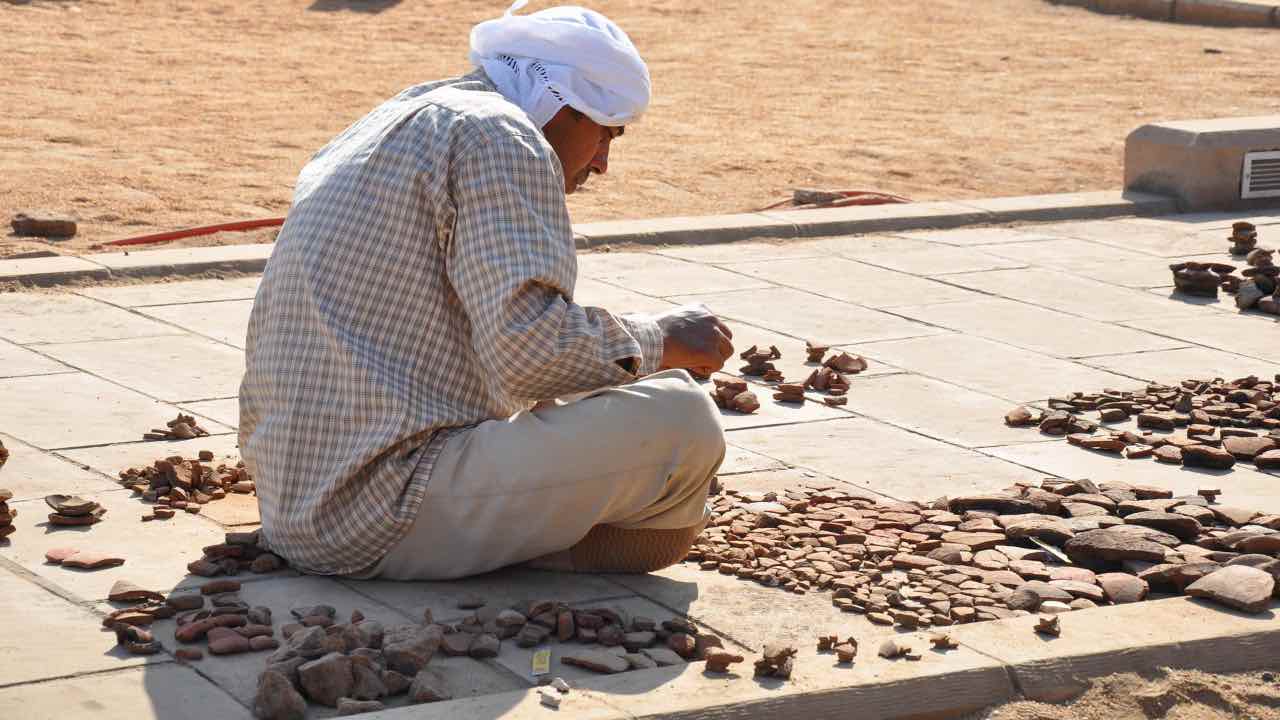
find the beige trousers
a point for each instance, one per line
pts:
(640, 456)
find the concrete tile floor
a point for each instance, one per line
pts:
(924, 421)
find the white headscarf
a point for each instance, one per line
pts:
(563, 56)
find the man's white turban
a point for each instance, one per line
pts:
(563, 56)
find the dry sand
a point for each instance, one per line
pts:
(140, 115)
(1175, 694)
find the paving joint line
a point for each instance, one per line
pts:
(86, 674)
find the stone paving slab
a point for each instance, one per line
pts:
(935, 409)
(47, 636)
(17, 361)
(935, 259)
(30, 471)
(27, 318)
(48, 270)
(652, 274)
(873, 456)
(160, 367)
(224, 412)
(165, 690)
(226, 321)
(1167, 366)
(75, 410)
(989, 367)
(764, 251)
(156, 553)
(594, 293)
(1253, 336)
(173, 293)
(810, 316)
(854, 282)
(1068, 293)
(1035, 328)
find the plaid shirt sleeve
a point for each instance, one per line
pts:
(512, 266)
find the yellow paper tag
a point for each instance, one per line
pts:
(542, 662)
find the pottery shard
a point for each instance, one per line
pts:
(407, 648)
(1269, 460)
(225, 641)
(326, 679)
(92, 561)
(70, 505)
(596, 660)
(125, 591)
(196, 631)
(428, 686)
(719, 660)
(1184, 527)
(1237, 586)
(263, 642)
(347, 706)
(57, 555)
(1207, 456)
(1224, 513)
(1020, 417)
(1044, 527)
(1122, 587)
(218, 587)
(1109, 546)
(185, 601)
(1247, 448)
(975, 540)
(277, 699)
(996, 502)
(1155, 421)
(565, 627)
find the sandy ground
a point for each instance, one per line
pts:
(145, 115)
(1177, 695)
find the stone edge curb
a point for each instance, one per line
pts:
(1222, 13)
(1181, 633)
(777, 225)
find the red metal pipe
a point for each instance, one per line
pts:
(238, 226)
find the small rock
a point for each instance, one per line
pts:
(718, 660)
(428, 686)
(277, 699)
(1122, 587)
(327, 679)
(1207, 456)
(548, 699)
(1049, 625)
(40, 223)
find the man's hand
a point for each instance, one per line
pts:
(694, 339)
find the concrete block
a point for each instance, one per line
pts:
(1072, 206)
(1226, 13)
(1199, 163)
(682, 230)
(881, 218)
(50, 270)
(187, 261)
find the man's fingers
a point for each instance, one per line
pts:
(723, 328)
(724, 346)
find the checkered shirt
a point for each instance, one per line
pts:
(423, 283)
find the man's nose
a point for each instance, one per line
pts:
(600, 163)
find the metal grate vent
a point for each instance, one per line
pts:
(1261, 175)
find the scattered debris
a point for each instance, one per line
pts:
(1056, 547)
(776, 661)
(846, 363)
(1201, 279)
(1225, 422)
(789, 393)
(759, 365)
(183, 427)
(815, 352)
(175, 483)
(73, 510)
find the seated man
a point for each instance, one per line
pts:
(416, 324)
